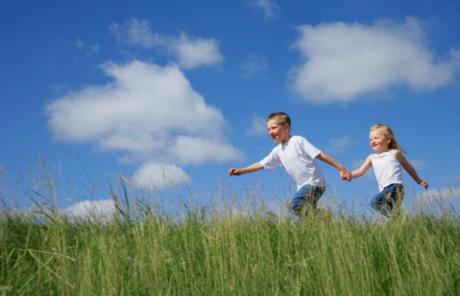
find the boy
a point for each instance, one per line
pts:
(297, 155)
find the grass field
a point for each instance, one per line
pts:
(205, 253)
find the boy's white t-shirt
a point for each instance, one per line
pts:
(297, 156)
(387, 169)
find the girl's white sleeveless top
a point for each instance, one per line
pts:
(387, 169)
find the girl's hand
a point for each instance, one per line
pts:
(424, 183)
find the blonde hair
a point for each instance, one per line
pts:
(387, 133)
(280, 117)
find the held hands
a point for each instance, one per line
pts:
(345, 175)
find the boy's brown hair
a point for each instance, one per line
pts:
(280, 117)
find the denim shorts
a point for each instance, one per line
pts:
(306, 198)
(388, 199)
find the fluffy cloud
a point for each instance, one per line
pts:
(192, 53)
(138, 33)
(346, 61)
(100, 210)
(197, 150)
(189, 52)
(154, 176)
(269, 7)
(149, 113)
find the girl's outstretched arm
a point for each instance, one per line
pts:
(362, 169)
(410, 169)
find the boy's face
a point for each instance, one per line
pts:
(279, 133)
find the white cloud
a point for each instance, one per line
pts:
(153, 176)
(341, 144)
(189, 52)
(253, 67)
(196, 52)
(269, 7)
(149, 113)
(100, 210)
(345, 61)
(433, 199)
(258, 126)
(195, 150)
(137, 33)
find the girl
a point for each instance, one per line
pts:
(387, 162)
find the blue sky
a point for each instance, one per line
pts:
(170, 94)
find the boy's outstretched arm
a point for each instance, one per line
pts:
(344, 173)
(362, 169)
(249, 169)
(410, 169)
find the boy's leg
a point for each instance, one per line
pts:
(298, 199)
(306, 199)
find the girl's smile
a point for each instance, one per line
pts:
(379, 143)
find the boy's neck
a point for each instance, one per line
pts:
(286, 140)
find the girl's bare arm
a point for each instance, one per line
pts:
(362, 169)
(409, 168)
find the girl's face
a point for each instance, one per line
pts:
(279, 133)
(378, 141)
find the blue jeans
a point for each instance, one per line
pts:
(306, 199)
(388, 199)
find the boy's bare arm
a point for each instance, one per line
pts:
(344, 173)
(249, 169)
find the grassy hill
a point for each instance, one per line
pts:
(206, 254)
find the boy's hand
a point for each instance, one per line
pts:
(345, 175)
(234, 172)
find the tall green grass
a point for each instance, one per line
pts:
(213, 254)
